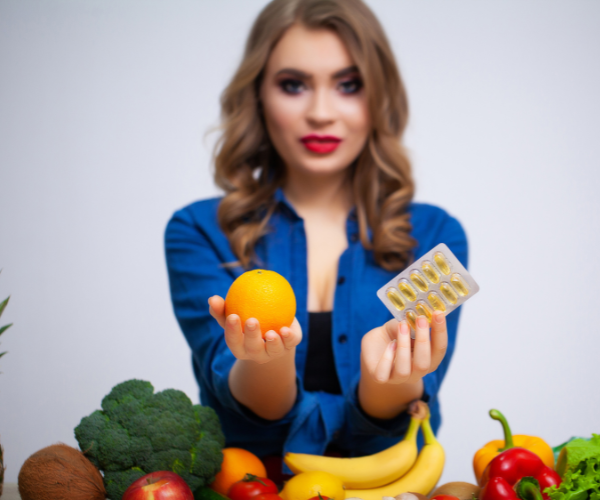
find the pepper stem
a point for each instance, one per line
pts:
(528, 488)
(508, 438)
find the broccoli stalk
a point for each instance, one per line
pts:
(138, 432)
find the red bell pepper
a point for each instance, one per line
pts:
(527, 488)
(510, 466)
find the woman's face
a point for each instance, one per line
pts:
(313, 102)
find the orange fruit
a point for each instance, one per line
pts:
(237, 462)
(264, 295)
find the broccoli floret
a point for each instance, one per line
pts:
(117, 482)
(138, 432)
(207, 418)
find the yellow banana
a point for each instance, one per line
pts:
(423, 476)
(364, 472)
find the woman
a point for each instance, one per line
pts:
(318, 188)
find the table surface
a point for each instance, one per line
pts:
(10, 492)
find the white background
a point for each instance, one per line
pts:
(103, 111)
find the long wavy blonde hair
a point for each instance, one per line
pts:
(248, 168)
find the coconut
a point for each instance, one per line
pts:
(60, 472)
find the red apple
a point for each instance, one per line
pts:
(161, 485)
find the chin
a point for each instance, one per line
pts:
(324, 165)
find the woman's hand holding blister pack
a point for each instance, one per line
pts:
(391, 356)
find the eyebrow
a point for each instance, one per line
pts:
(301, 74)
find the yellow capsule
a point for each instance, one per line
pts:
(424, 310)
(407, 290)
(430, 272)
(417, 278)
(411, 317)
(396, 299)
(436, 302)
(449, 293)
(441, 262)
(459, 284)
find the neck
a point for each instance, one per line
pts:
(319, 193)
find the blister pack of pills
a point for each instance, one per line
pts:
(435, 282)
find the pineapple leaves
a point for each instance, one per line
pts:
(5, 327)
(3, 305)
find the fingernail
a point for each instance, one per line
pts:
(232, 320)
(439, 317)
(251, 326)
(392, 345)
(269, 338)
(404, 330)
(422, 322)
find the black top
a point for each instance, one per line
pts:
(320, 373)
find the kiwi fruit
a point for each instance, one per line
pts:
(459, 489)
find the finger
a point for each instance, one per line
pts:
(253, 340)
(384, 367)
(403, 363)
(217, 309)
(391, 328)
(273, 344)
(439, 339)
(234, 337)
(296, 330)
(422, 350)
(289, 339)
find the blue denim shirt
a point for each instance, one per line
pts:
(196, 250)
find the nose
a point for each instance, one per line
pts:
(321, 109)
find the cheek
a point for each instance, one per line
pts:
(356, 116)
(282, 115)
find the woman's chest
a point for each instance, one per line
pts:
(325, 243)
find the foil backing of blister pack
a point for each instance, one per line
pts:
(436, 281)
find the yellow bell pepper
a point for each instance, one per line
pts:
(534, 444)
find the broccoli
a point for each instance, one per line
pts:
(138, 432)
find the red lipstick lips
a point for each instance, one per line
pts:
(321, 144)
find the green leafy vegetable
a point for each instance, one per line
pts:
(576, 451)
(581, 482)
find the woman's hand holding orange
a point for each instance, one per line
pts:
(390, 357)
(246, 341)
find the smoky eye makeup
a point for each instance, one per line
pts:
(291, 86)
(351, 85)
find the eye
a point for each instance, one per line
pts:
(291, 86)
(351, 86)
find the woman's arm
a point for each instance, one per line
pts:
(392, 370)
(196, 251)
(263, 378)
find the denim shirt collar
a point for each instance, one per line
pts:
(285, 204)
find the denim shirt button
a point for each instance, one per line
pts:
(341, 280)
(343, 338)
(354, 238)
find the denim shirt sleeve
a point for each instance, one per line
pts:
(196, 272)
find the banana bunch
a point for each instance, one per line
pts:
(395, 470)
